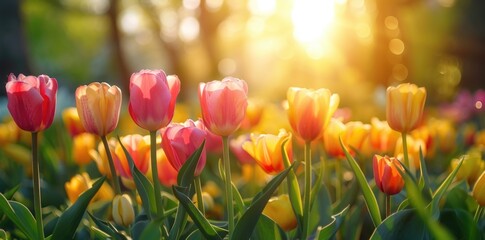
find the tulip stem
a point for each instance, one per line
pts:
(36, 180)
(388, 205)
(228, 185)
(114, 177)
(338, 186)
(198, 190)
(308, 187)
(408, 163)
(156, 182)
(478, 213)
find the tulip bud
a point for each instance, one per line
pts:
(280, 211)
(123, 213)
(479, 190)
(386, 175)
(72, 122)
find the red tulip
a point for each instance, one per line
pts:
(223, 104)
(152, 98)
(386, 175)
(179, 142)
(32, 101)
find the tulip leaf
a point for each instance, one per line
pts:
(329, 231)
(293, 187)
(415, 199)
(369, 197)
(240, 206)
(321, 210)
(246, 224)
(202, 223)
(9, 194)
(268, 229)
(442, 189)
(185, 176)
(152, 231)
(424, 176)
(403, 223)
(107, 228)
(68, 222)
(143, 185)
(20, 216)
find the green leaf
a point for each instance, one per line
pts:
(20, 216)
(405, 223)
(3, 234)
(143, 185)
(68, 222)
(152, 231)
(185, 176)
(202, 223)
(460, 223)
(293, 187)
(240, 206)
(424, 177)
(442, 189)
(329, 231)
(107, 228)
(247, 223)
(267, 229)
(321, 210)
(370, 198)
(9, 194)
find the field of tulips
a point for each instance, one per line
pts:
(141, 165)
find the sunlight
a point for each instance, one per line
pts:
(312, 19)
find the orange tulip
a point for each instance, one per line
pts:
(138, 147)
(331, 138)
(254, 113)
(81, 145)
(382, 137)
(223, 105)
(413, 149)
(353, 135)
(386, 175)
(98, 106)
(404, 107)
(309, 111)
(167, 175)
(266, 150)
(72, 122)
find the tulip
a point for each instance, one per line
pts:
(167, 175)
(101, 158)
(236, 146)
(266, 150)
(382, 137)
(77, 185)
(122, 210)
(387, 177)
(478, 191)
(72, 122)
(138, 147)
(213, 142)
(280, 211)
(81, 145)
(152, 98)
(413, 147)
(254, 112)
(404, 107)
(309, 111)
(331, 138)
(98, 106)
(179, 142)
(223, 104)
(32, 101)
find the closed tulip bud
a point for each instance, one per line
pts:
(404, 106)
(280, 211)
(223, 105)
(138, 148)
(72, 122)
(179, 142)
(152, 98)
(478, 191)
(266, 150)
(387, 177)
(309, 111)
(81, 146)
(98, 106)
(122, 210)
(32, 101)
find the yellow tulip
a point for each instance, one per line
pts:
(72, 122)
(122, 210)
(413, 149)
(98, 106)
(479, 190)
(77, 185)
(404, 106)
(280, 211)
(382, 137)
(81, 145)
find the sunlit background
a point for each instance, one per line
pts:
(354, 47)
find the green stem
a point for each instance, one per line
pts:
(114, 177)
(408, 163)
(388, 205)
(198, 191)
(478, 213)
(36, 180)
(228, 185)
(308, 187)
(156, 183)
(338, 186)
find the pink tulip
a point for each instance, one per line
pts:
(223, 104)
(179, 142)
(236, 146)
(213, 142)
(152, 98)
(32, 101)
